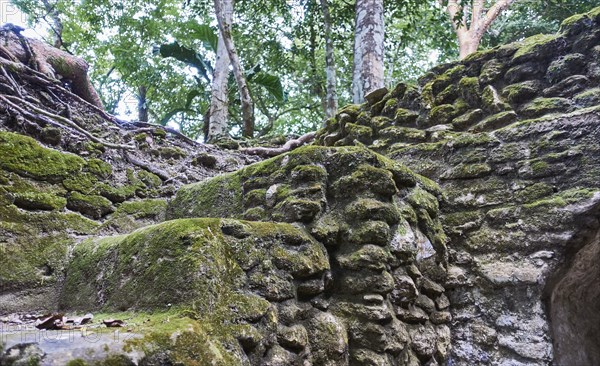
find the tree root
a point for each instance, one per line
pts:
(11, 100)
(274, 151)
(159, 172)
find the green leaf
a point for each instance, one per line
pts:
(169, 115)
(187, 55)
(271, 83)
(206, 34)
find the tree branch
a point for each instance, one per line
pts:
(477, 13)
(492, 14)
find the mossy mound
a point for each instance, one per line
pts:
(218, 271)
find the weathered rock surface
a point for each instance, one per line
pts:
(515, 150)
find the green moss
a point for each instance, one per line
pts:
(534, 192)
(447, 96)
(296, 210)
(99, 168)
(363, 134)
(89, 205)
(39, 200)
(217, 197)
(370, 209)
(159, 132)
(25, 156)
(309, 173)
(149, 179)
(577, 19)
(564, 198)
(588, 98)
(140, 138)
(420, 198)
(491, 71)
(495, 122)
(480, 55)
(521, 92)
(534, 45)
(351, 109)
(405, 117)
(539, 167)
(441, 114)
(116, 194)
(205, 159)
(467, 120)
(85, 183)
(472, 140)
(541, 106)
(492, 101)
(467, 171)
(168, 152)
(402, 134)
(469, 89)
(143, 208)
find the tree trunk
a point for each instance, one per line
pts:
(469, 34)
(219, 100)
(467, 46)
(142, 104)
(57, 26)
(224, 12)
(332, 99)
(368, 49)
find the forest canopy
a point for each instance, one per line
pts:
(174, 62)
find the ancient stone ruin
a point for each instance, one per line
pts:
(450, 222)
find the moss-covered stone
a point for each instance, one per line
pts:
(204, 159)
(441, 114)
(470, 90)
(25, 156)
(39, 201)
(495, 121)
(491, 71)
(360, 133)
(578, 22)
(492, 102)
(99, 168)
(537, 46)
(405, 117)
(588, 98)
(564, 66)
(168, 152)
(90, 205)
(467, 171)
(402, 134)
(541, 106)
(160, 264)
(534, 192)
(467, 119)
(521, 92)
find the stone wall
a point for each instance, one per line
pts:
(512, 137)
(360, 287)
(59, 185)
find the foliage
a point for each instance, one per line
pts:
(284, 38)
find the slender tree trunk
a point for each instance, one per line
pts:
(368, 49)
(142, 104)
(332, 99)
(224, 11)
(218, 112)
